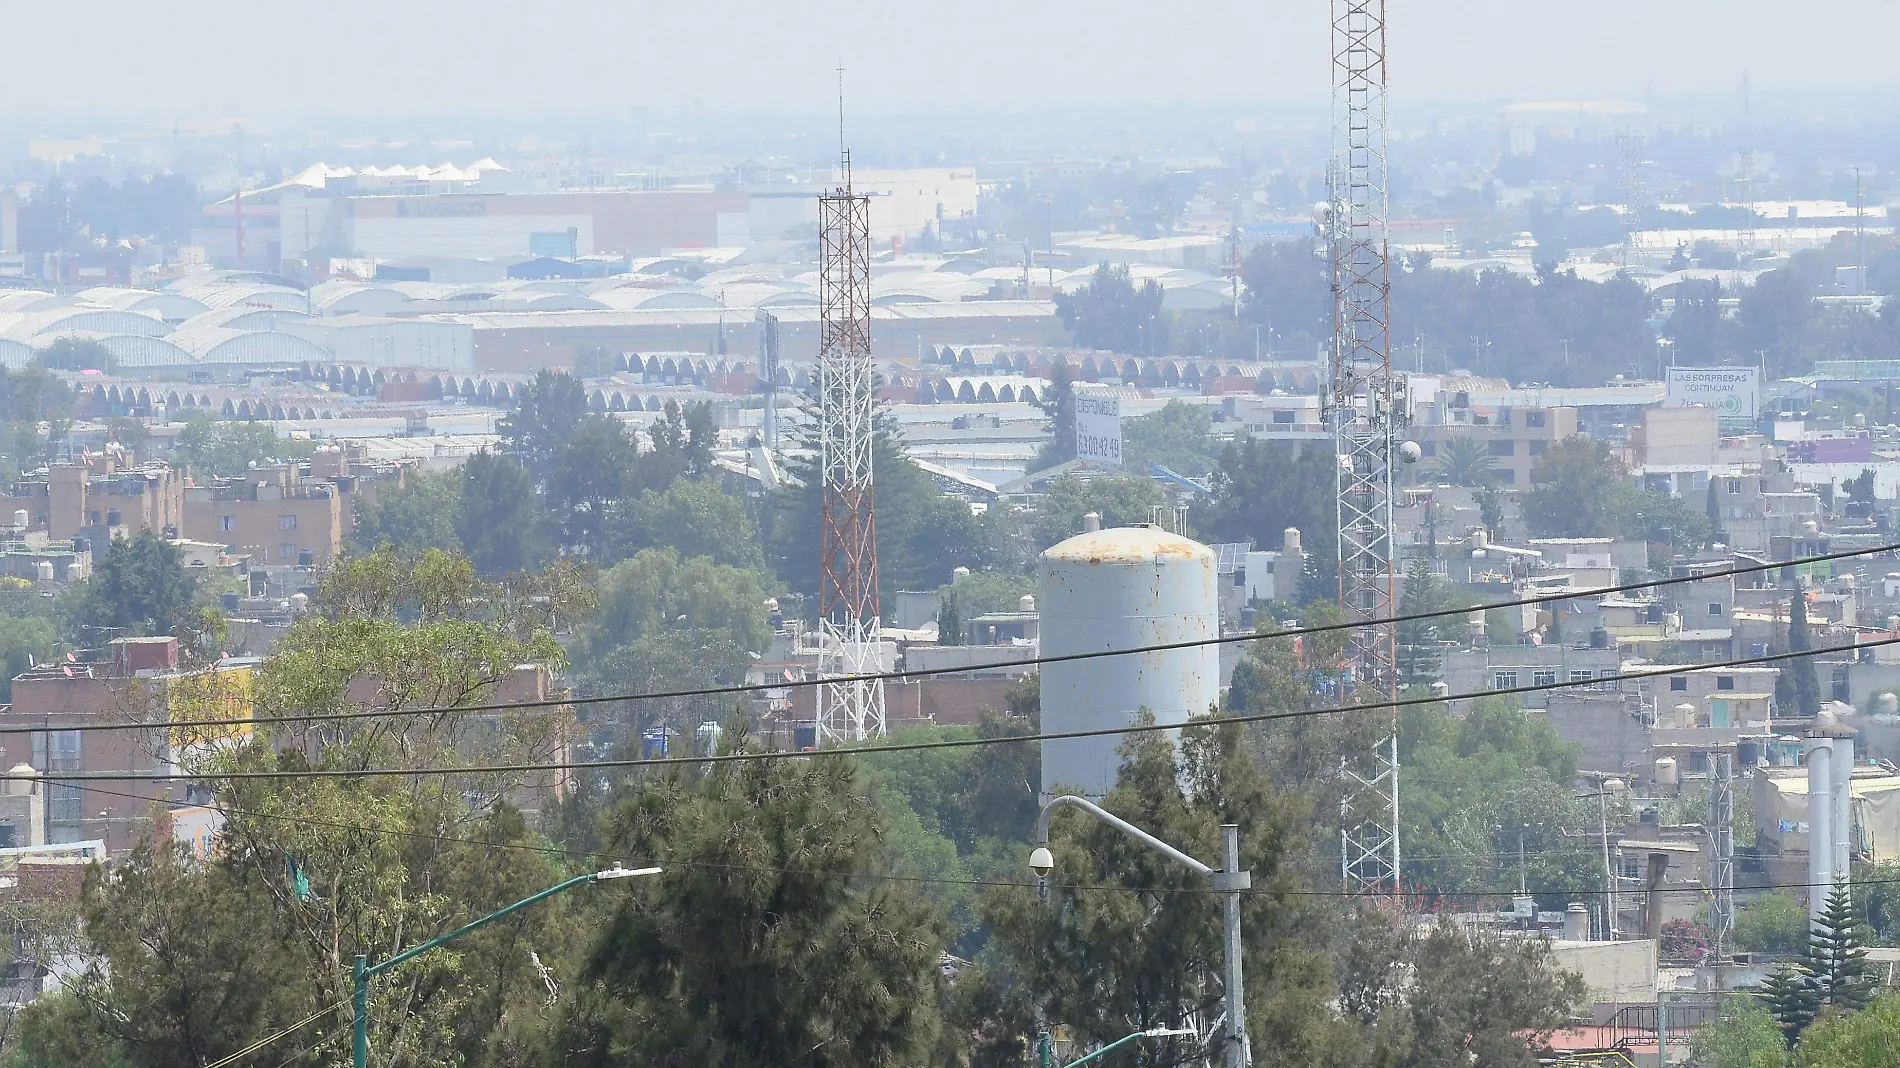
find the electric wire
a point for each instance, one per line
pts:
(925, 880)
(901, 675)
(70, 778)
(233, 1058)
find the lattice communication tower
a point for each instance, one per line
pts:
(1367, 410)
(850, 708)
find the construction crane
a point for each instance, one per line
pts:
(1367, 410)
(849, 707)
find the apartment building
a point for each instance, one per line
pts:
(1512, 437)
(106, 496)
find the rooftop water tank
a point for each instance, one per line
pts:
(1122, 588)
(1666, 777)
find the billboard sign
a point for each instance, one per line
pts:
(1098, 425)
(1734, 392)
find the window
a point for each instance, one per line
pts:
(1679, 685)
(1543, 677)
(1504, 680)
(286, 551)
(1283, 417)
(1428, 448)
(1504, 448)
(286, 522)
(1509, 477)
(1537, 447)
(227, 522)
(1725, 682)
(1580, 675)
(1534, 418)
(1715, 608)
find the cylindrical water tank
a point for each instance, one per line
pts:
(1122, 588)
(1290, 541)
(1480, 539)
(1685, 715)
(19, 519)
(1666, 773)
(1576, 923)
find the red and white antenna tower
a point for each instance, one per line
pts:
(1367, 409)
(850, 707)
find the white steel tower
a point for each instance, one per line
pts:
(1366, 408)
(850, 708)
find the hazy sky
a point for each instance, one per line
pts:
(134, 60)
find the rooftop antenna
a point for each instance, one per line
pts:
(844, 154)
(1745, 177)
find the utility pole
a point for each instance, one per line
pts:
(1366, 408)
(1230, 881)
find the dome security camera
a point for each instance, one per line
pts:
(1042, 862)
(1409, 452)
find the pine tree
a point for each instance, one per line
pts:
(1835, 957)
(1714, 509)
(949, 621)
(1806, 686)
(1793, 999)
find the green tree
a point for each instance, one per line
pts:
(1834, 954)
(1868, 1039)
(74, 353)
(548, 412)
(949, 621)
(1464, 461)
(1179, 437)
(1773, 922)
(1264, 487)
(496, 518)
(1121, 502)
(1424, 592)
(1745, 1036)
(587, 476)
(683, 441)
(694, 516)
(1111, 312)
(1133, 947)
(762, 943)
(24, 641)
(1792, 999)
(225, 450)
(139, 586)
(387, 863)
(1578, 489)
(419, 514)
(1860, 489)
(1491, 510)
(1806, 686)
(668, 622)
(1058, 401)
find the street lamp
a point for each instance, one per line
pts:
(1229, 880)
(1152, 1032)
(1605, 787)
(365, 971)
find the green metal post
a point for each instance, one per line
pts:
(365, 972)
(360, 1053)
(1117, 1044)
(1042, 1050)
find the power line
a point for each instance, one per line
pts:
(914, 673)
(945, 743)
(556, 850)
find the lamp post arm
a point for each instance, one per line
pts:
(414, 951)
(1156, 1032)
(1122, 825)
